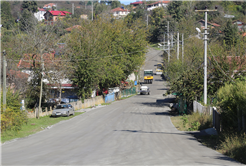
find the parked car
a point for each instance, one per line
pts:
(63, 110)
(144, 90)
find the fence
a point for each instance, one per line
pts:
(128, 92)
(109, 97)
(197, 107)
(216, 120)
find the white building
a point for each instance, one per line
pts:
(120, 12)
(49, 5)
(40, 14)
(157, 4)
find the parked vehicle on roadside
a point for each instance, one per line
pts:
(144, 90)
(63, 110)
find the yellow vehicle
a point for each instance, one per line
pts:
(148, 76)
(159, 68)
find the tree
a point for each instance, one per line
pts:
(7, 19)
(174, 9)
(27, 20)
(230, 34)
(31, 6)
(115, 4)
(106, 52)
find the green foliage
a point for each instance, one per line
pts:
(31, 6)
(174, 9)
(230, 35)
(115, 4)
(110, 53)
(7, 19)
(13, 118)
(185, 120)
(27, 20)
(232, 99)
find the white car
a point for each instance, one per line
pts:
(63, 110)
(144, 90)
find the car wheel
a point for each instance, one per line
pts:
(68, 114)
(149, 93)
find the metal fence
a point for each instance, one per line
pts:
(128, 92)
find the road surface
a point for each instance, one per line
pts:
(134, 131)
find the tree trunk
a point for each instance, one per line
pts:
(238, 119)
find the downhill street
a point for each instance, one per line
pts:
(134, 131)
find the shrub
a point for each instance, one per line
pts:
(13, 118)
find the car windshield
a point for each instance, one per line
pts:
(159, 65)
(62, 107)
(148, 73)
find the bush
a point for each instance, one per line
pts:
(232, 99)
(13, 118)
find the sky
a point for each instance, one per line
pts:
(127, 2)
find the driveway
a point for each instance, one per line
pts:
(134, 131)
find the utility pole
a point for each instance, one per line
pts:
(41, 89)
(205, 50)
(178, 45)
(172, 40)
(92, 11)
(182, 47)
(168, 36)
(72, 8)
(4, 80)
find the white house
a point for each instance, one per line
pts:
(120, 12)
(40, 14)
(157, 4)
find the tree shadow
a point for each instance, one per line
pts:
(152, 113)
(159, 102)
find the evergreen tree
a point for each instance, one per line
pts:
(115, 4)
(174, 9)
(27, 20)
(230, 34)
(7, 19)
(30, 6)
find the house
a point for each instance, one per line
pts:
(49, 5)
(54, 15)
(28, 61)
(84, 16)
(40, 14)
(120, 12)
(157, 4)
(209, 24)
(241, 26)
(137, 3)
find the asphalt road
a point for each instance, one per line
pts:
(134, 131)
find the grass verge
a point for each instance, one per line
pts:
(127, 97)
(33, 126)
(155, 46)
(192, 122)
(232, 145)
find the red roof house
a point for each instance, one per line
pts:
(53, 15)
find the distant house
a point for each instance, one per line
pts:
(84, 16)
(49, 5)
(241, 26)
(209, 24)
(157, 4)
(40, 14)
(137, 3)
(120, 12)
(53, 15)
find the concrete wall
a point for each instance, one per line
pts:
(77, 105)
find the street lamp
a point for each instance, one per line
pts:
(205, 49)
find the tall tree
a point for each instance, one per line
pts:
(174, 9)
(230, 34)
(7, 19)
(31, 6)
(115, 4)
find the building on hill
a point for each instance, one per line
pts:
(49, 5)
(157, 4)
(120, 12)
(40, 14)
(241, 26)
(53, 15)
